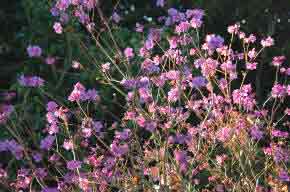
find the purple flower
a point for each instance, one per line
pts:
(148, 66)
(214, 41)
(119, 150)
(57, 28)
(40, 173)
(51, 106)
(256, 133)
(49, 189)
(160, 3)
(92, 95)
(150, 126)
(34, 51)
(37, 157)
(181, 158)
(54, 11)
(30, 81)
(73, 164)
(123, 135)
(116, 18)
(5, 111)
(128, 52)
(279, 154)
(194, 13)
(64, 18)
(145, 95)
(284, 176)
(15, 148)
(47, 142)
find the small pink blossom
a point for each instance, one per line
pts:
(251, 66)
(57, 28)
(128, 52)
(268, 42)
(50, 60)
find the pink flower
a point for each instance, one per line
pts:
(139, 28)
(68, 145)
(76, 64)
(251, 39)
(192, 51)
(234, 29)
(244, 97)
(57, 28)
(268, 42)
(251, 66)
(182, 27)
(224, 134)
(278, 60)
(221, 159)
(181, 158)
(278, 91)
(106, 67)
(252, 53)
(173, 95)
(278, 133)
(128, 52)
(78, 93)
(50, 60)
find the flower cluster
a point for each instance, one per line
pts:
(80, 93)
(191, 121)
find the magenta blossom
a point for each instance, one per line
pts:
(128, 52)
